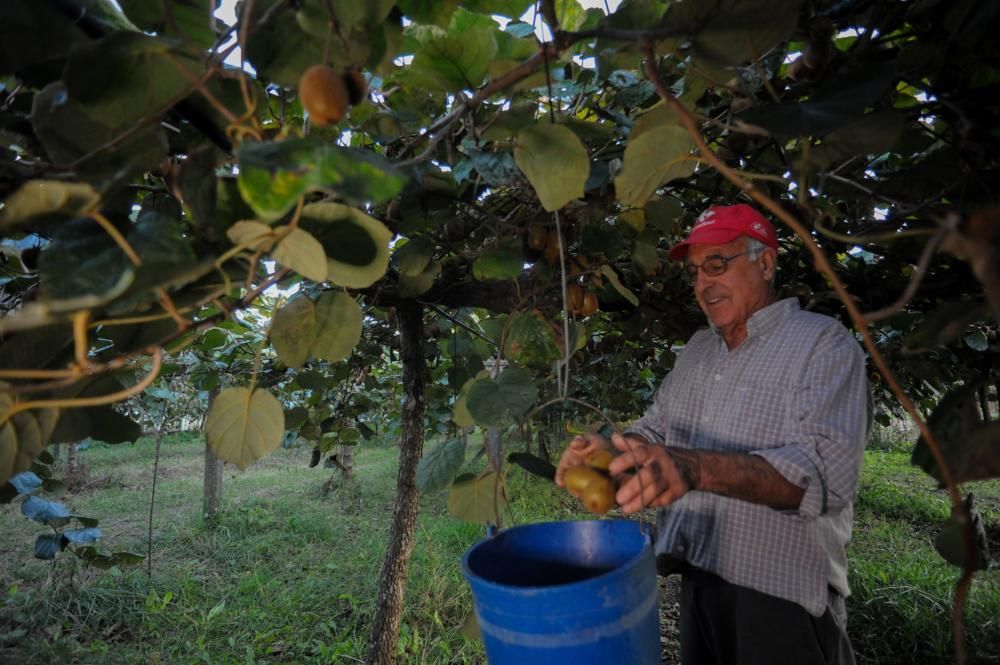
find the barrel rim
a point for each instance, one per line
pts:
(626, 567)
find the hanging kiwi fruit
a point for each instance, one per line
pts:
(538, 235)
(326, 94)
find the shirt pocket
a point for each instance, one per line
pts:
(761, 413)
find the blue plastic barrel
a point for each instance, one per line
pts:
(583, 591)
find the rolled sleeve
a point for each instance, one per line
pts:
(829, 429)
(798, 465)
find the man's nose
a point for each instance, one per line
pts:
(702, 280)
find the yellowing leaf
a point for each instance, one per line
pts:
(634, 217)
(292, 331)
(617, 285)
(481, 500)
(460, 411)
(656, 156)
(46, 197)
(301, 252)
(660, 115)
(554, 161)
(242, 425)
(338, 326)
(22, 437)
(252, 235)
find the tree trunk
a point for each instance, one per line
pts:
(73, 464)
(984, 403)
(212, 499)
(494, 449)
(392, 578)
(213, 487)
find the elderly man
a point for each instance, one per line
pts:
(751, 450)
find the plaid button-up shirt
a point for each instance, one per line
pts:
(795, 393)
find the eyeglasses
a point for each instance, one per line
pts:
(712, 266)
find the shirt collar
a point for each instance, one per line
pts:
(767, 318)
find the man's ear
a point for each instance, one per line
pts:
(769, 263)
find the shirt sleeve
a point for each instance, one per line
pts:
(832, 413)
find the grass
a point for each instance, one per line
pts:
(289, 573)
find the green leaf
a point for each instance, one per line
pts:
(452, 62)
(128, 76)
(127, 559)
(950, 542)
(298, 415)
(338, 326)
(510, 8)
(274, 175)
(415, 285)
(313, 380)
(969, 445)
(413, 256)
(280, 49)
(83, 267)
(736, 31)
(496, 168)
(504, 262)
(944, 324)
(85, 536)
(35, 34)
(531, 341)
(186, 20)
(356, 245)
(47, 546)
(835, 104)
(656, 156)
(243, 426)
(617, 285)
(40, 201)
(534, 465)
(293, 328)
(42, 347)
(481, 500)
(554, 161)
(439, 466)
(42, 511)
(644, 255)
(102, 423)
(428, 11)
(499, 403)
(301, 252)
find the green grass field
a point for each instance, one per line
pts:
(288, 574)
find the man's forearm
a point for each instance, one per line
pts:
(747, 477)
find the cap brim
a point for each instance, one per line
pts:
(703, 237)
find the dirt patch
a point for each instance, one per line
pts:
(670, 613)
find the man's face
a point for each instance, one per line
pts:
(729, 299)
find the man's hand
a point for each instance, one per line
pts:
(661, 477)
(580, 448)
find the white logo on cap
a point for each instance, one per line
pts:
(705, 218)
(759, 228)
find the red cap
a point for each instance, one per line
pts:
(721, 224)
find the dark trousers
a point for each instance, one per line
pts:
(727, 624)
